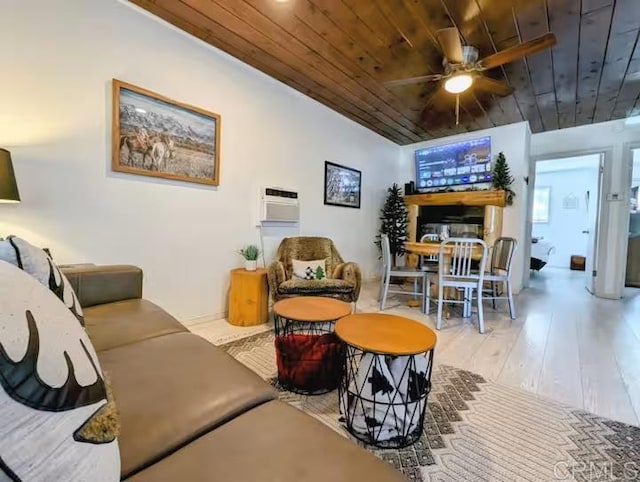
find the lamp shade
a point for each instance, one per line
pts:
(8, 187)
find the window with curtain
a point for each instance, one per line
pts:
(541, 198)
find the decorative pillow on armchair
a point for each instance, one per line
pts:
(38, 264)
(52, 390)
(309, 270)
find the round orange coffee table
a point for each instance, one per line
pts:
(386, 377)
(308, 353)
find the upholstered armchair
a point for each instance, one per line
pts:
(342, 282)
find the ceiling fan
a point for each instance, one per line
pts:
(462, 69)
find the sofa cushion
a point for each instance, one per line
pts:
(96, 285)
(172, 389)
(123, 322)
(51, 388)
(272, 442)
(307, 287)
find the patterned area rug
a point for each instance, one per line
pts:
(478, 430)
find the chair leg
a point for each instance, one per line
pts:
(494, 293)
(415, 288)
(426, 299)
(467, 303)
(464, 303)
(512, 308)
(380, 291)
(385, 290)
(440, 303)
(480, 312)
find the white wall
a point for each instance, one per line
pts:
(58, 58)
(566, 225)
(613, 138)
(513, 140)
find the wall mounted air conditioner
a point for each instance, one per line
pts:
(279, 205)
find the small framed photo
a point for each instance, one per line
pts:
(342, 185)
(159, 137)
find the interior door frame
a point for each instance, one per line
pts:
(597, 236)
(627, 159)
(603, 221)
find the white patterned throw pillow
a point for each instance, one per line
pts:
(51, 389)
(38, 264)
(309, 270)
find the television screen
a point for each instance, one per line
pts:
(466, 162)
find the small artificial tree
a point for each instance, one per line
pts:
(394, 219)
(502, 178)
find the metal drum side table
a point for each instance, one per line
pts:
(386, 377)
(308, 353)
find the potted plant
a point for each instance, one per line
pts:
(250, 254)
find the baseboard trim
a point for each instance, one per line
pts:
(608, 296)
(203, 319)
(217, 316)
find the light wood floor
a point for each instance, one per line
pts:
(565, 344)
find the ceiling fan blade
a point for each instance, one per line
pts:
(449, 40)
(518, 51)
(440, 97)
(414, 80)
(492, 86)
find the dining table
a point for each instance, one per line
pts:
(432, 248)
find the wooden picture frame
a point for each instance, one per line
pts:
(155, 136)
(342, 185)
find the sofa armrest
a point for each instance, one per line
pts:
(349, 272)
(96, 285)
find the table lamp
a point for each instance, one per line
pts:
(8, 186)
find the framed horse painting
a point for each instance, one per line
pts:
(156, 136)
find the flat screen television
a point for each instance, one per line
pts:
(462, 163)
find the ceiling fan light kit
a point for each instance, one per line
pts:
(458, 83)
(462, 69)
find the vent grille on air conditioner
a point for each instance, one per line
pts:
(282, 212)
(279, 205)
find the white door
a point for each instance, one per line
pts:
(593, 201)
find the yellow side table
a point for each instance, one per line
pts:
(248, 297)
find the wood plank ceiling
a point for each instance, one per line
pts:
(340, 52)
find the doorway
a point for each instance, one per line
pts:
(632, 275)
(566, 205)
